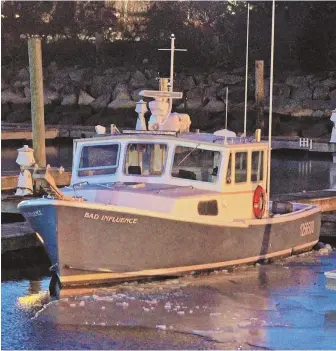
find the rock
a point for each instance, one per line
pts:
(135, 94)
(236, 94)
(282, 105)
(120, 92)
(57, 86)
(151, 73)
(302, 112)
(8, 96)
(138, 80)
(301, 93)
(330, 83)
(279, 89)
(101, 85)
(318, 114)
(121, 103)
(214, 106)
(77, 75)
(195, 94)
(199, 78)
(4, 84)
(229, 79)
(333, 94)
(52, 68)
(84, 98)
(121, 98)
(23, 75)
(20, 84)
(101, 102)
(321, 93)
(210, 92)
(69, 100)
(315, 131)
(51, 96)
(188, 83)
(319, 104)
(19, 116)
(298, 81)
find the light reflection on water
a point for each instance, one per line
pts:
(291, 171)
(283, 305)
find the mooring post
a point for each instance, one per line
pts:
(37, 104)
(259, 94)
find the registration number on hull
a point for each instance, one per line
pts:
(307, 228)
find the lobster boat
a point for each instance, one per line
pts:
(162, 200)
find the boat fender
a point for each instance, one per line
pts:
(259, 202)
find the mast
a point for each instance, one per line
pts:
(268, 189)
(246, 68)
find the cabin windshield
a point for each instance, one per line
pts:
(145, 159)
(196, 164)
(98, 160)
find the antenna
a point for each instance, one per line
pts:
(171, 80)
(246, 68)
(172, 51)
(268, 188)
(226, 112)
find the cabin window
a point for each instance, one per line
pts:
(196, 164)
(98, 160)
(229, 171)
(145, 159)
(241, 167)
(257, 169)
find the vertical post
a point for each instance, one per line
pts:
(37, 104)
(259, 94)
(268, 192)
(246, 65)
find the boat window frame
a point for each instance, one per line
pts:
(142, 175)
(262, 165)
(199, 147)
(247, 166)
(100, 167)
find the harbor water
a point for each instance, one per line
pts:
(286, 304)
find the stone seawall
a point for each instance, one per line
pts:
(90, 96)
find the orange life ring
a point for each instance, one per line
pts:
(259, 202)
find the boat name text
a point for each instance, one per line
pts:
(307, 228)
(112, 219)
(33, 214)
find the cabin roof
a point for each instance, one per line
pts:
(157, 136)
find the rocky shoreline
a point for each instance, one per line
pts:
(89, 96)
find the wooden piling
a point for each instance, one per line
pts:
(37, 103)
(259, 95)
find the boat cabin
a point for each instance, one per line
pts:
(186, 165)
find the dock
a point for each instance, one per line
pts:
(20, 131)
(326, 199)
(17, 236)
